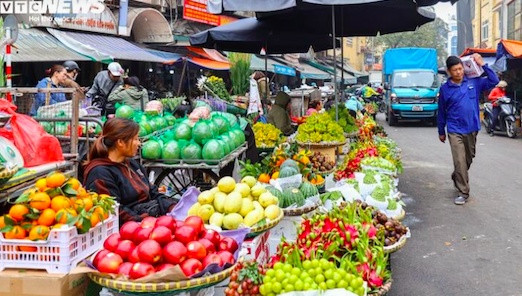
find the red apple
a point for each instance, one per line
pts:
(128, 228)
(140, 270)
(209, 246)
(161, 234)
(166, 221)
(142, 234)
(109, 263)
(212, 258)
(125, 248)
(191, 266)
(196, 250)
(164, 266)
(228, 244)
(149, 251)
(125, 268)
(99, 255)
(186, 234)
(148, 222)
(213, 236)
(196, 222)
(111, 243)
(226, 257)
(133, 257)
(174, 252)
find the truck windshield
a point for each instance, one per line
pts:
(423, 79)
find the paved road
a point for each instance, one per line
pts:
(475, 249)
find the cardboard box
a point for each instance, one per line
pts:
(471, 69)
(257, 248)
(40, 283)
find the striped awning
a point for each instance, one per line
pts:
(104, 49)
(34, 45)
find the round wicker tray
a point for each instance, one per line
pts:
(255, 231)
(382, 290)
(398, 245)
(325, 172)
(321, 145)
(300, 211)
(161, 288)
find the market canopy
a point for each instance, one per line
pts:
(218, 6)
(251, 36)
(509, 54)
(34, 45)
(104, 49)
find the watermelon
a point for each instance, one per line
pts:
(288, 172)
(171, 150)
(124, 111)
(191, 151)
(183, 132)
(308, 189)
(201, 132)
(221, 123)
(293, 196)
(290, 163)
(213, 150)
(151, 149)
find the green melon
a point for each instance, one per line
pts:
(124, 111)
(213, 150)
(151, 149)
(183, 132)
(201, 132)
(221, 123)
(223, 144)
(191, 151)
(171, 120)
(231, 145)
(171, 150)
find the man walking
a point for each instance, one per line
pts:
(459, 114)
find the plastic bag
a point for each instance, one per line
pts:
(36, 146)
(288, 182)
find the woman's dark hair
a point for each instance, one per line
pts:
(313, 104)
(55, 68)
(113, 130)
(133, 81)
(183, 109)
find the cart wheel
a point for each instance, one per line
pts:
(179, 180)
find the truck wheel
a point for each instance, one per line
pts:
(392, 120)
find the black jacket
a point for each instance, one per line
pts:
(127, 182)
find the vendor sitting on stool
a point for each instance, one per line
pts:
(278, 115)
(111, 170)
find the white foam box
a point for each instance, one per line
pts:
(287, 227)
(471, 68)
(257, 248)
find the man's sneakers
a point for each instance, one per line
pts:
(460, 200)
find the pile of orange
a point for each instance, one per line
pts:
(53, 202)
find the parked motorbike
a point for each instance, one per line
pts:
(379, 100)
(506, 117)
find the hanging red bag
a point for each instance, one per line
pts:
(36, 146)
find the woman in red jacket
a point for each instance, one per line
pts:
(498, 92)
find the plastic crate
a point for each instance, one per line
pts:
(61, 252)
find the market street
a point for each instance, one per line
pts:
(458, 250)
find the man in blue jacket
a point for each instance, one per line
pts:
(459, 114)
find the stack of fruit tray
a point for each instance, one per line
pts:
(61, 252)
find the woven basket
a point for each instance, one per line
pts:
(398, 245)
(321, 145)
(167, 288)
(301, 210)
(255, 231)
(383, 290)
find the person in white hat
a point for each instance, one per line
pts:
(498, 92)
(104, 83)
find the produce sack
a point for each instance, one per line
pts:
(151, 149)
(288, 182)
(221, 122)
(36, 146)
(199, 113)
(171, 152)
(394, 208)
(213, 150)
(183, 132)
(154, 107)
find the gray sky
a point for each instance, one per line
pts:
(444, 10)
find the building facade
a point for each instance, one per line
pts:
(451, 45)
(492, 20)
